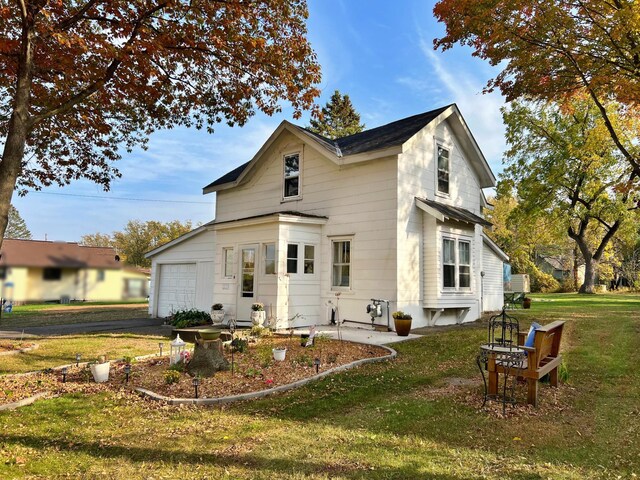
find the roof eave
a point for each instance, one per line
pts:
(306, 138)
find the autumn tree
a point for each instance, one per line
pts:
(565, 166)
(97, 240)
(337, 119)
(16, 227)
(522, 237)
(137, 238)
(550, 50)
(82, 79)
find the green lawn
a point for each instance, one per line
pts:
(57, 314)
(388, 421)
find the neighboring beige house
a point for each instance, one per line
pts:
(314, 227)
(41, 271)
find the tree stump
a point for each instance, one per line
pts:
(208, 358)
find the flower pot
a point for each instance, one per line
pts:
(403, 326)
(279, 354)
(258, 317)
(100, 371)
(526, 303)
(217, 316)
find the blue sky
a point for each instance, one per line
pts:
(378, 52)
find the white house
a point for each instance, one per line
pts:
(311, 226)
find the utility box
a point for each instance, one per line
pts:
(519, 283)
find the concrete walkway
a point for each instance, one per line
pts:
(359, 335)
(149, 326)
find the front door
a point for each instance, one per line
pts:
(247, 287)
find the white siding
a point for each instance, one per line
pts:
(493, 295)
(195, 250)
(359, 201)
(420, 235)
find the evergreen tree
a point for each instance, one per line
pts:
(16, 227)
(338, 118)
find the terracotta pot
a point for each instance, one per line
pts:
(403, 326)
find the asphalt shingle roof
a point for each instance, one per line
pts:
(379, 138)
(36, 253)
(455, 213)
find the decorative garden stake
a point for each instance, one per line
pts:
(196, 382)
(64, 374)
(127, 372)
(77, 359)
(232, 329)
(177, 346)
(161, 346)
(316, 362)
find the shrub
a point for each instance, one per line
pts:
(171, 376)
(190, 318)
(258, 331)
(239, 345)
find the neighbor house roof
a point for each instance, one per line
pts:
(453, 213)
(393, 134)
(43, 254)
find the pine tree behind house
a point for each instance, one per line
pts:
(338, 118)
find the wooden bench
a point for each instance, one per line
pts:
(543, 358)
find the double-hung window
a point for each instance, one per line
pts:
(444, 169)
(309, 259)
(270, 259)
(291, 176)
(456, 264)
(227, 262)
(292, 258)
(341, 264)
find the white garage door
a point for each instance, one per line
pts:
(177, 288)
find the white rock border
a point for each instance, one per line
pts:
(22, 403)
(263, 393)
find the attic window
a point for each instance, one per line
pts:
(291, 176)
(444, 168)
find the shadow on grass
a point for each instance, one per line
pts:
(232, 458)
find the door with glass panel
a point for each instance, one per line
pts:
(248, 281)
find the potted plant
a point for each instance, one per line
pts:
(217, 313)
(526, 302)
(279, 353)
(402, 322)
(258, 314)
(100, 369)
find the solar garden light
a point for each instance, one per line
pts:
(64, 374)
(177, 346)
(78, 359)
(316, 362)
(196, 383)
(161, 346)
(127, 372)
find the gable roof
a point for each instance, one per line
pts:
(389, 136)
(43, 254)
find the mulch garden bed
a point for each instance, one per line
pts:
(254, 370)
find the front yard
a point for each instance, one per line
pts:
(416, 417)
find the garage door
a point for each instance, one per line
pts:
(177, 288)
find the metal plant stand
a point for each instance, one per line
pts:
(501, 349)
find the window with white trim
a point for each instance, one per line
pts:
(448, 263)
(444, 169)
(292, 258)
(456, 264)
(309, 259)
(291, 176)
(270, 259)
(464, 264)
(341, 264)
(227, 262)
